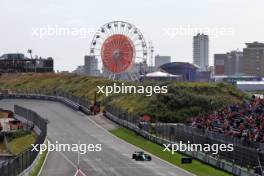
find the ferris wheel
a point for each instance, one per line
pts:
(120, 47)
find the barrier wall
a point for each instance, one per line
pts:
(17, 165)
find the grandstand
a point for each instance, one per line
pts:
(17, 63)
(244, 121)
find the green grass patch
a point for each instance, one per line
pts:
(39, 164)
(197, 167)
(182, 101)
(18, 145)
(17, 134)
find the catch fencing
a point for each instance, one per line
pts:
(74, 102)
(55, 93)
(18, 164)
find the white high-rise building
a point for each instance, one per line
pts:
(91, 65)
(201, 51)
(160, 60)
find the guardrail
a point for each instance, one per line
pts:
(176, 134)
(17, 165)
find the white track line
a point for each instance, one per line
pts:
(44, 162)
(79, 171)
(87, 117)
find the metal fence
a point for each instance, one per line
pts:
(83, 101)
(79, 103)
(21, 162)
(244, 154)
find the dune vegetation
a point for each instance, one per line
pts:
(182, 100)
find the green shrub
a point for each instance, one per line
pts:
(18, 134)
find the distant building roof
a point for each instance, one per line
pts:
(161, 74)
(255, 44)
(179, 64)
(12, 56)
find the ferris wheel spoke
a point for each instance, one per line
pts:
(132, 35)
(123, 30)
(138, 44)
(97, 49)
(115, 28)
(118, 30)
(99, 42)
(135, 38)
(127, 32)
(121, 27)
(107, 32)
(140, 57)
(112, 31)
(135, 34)
(102, 38)
(119, 43)
(115, 44)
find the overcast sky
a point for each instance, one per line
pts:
(167, 23)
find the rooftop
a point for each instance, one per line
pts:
(255, 44)
(161, 74)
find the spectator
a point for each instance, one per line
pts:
(245, 120)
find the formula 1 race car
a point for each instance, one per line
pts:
(141, 156)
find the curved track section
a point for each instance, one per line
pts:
(68, 127)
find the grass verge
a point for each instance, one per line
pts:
(18, 145)
(39, 164)
(196, 167)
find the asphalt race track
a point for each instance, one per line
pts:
(68, 127)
